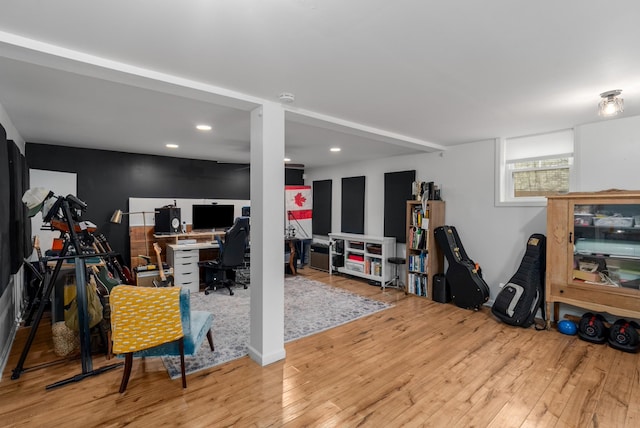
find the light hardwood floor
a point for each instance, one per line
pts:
(419, 363)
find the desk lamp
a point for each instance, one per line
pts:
(116, 218)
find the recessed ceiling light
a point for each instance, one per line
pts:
(172, 146)
(287, 160)
(203, 127)
(335, 149)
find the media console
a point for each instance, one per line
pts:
(364, 256)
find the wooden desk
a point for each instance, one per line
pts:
(184, 259)
(198, 236)
(141, 242)
(292, 254)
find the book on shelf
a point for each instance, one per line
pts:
(418, 238)
(425, 223)
(418, 215)
(417, 284)
(418, 262)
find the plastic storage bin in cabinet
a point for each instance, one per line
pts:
(583, 219)
(614, 221)
(358, 267)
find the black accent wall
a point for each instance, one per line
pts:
(107, 179)
(18, 217)
(5, 194)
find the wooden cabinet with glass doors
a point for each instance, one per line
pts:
(593, 252)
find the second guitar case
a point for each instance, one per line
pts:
(468, 289)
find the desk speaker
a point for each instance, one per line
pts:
(167, 220)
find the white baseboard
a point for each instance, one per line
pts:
(265, 360)
(7, 347)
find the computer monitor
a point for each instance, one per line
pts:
(209, 217)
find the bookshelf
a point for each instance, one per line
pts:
(362, 255)
(424, 258)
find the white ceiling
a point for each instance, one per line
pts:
(378, 78)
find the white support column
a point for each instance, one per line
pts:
(266, 338)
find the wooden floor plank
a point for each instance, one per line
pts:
(535, 380)
(633, 411)
(616, 393)
(419, 363)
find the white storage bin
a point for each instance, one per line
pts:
(614, 221)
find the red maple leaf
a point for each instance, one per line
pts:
(299, 199)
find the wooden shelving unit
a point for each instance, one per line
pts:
(424, 258)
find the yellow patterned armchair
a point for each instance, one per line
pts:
(156, 322)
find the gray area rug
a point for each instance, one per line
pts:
(309, 307)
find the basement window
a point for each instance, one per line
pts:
(533, 167)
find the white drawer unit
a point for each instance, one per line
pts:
(184, 261)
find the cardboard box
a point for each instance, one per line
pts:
(587, 276)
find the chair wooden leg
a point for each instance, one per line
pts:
(181, 347)
(109, 345)
(128, 362)
(210, 339)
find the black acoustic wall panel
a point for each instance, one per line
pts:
(293, 177)
(16, 211)
(353, 204)
(28, 244)
(5, 189)
(321, 219)
(397, 191)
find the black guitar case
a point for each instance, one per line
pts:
(468, 289)
(519, 300)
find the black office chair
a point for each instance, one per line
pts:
(222, 272)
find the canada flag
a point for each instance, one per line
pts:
(299, 203)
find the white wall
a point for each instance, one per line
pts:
(465, 175)
(149, 206)
(609, 155)
(61, 184)
(606, 157)
(12, 132)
